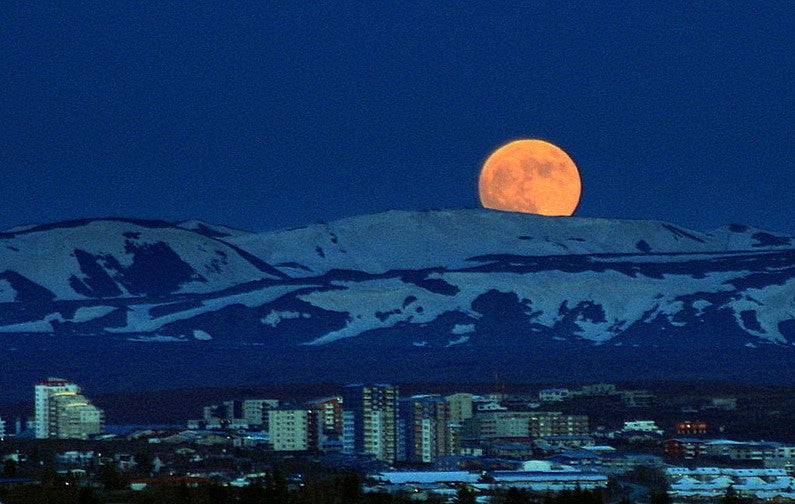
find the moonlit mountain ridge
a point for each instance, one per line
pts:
(391, 295)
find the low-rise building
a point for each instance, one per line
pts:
(691, 427)
(641, 426)
(554, 394)
(637, 398)
(783, 456)
(598, 389)
(422, 484)
(757, 484)
(75, 457)
(555, 423)
(722, 403)
(686, 448)
(561, 443)
(543, 476)
(483, 406)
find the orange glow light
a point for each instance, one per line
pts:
(530, 176)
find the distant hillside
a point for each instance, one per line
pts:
(439, 295)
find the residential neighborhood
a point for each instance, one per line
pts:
(620, 444)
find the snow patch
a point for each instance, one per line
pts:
(459, 341)
(86, 313)
(463, 329)
(157, 338)
(56, 317)
(37, 326)
(200, 335)
(701, 305)
(7, 293)
(274, 317)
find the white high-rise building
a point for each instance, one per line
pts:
(294, 429)
(45, 390)
(2, 429)
(62, 412)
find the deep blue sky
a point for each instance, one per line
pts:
(262, 117)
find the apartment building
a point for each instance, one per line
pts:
(460, 406)
(294, 429)
(554, 423)
(238, 414)
(424, 429)
(62, 412)
(330, 415)
(370, 420)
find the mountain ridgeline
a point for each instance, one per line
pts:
(435, 295)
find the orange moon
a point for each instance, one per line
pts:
(530, 176)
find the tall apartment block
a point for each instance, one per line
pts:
(330, 415)
(424, 429)
(61, 411)
(370, 420)
(294, 429)
(460, 406)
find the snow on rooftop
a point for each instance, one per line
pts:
(426, 477)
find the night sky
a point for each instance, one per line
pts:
(265, 117)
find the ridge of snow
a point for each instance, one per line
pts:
(401, 239)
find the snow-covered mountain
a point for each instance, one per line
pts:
(398, 283)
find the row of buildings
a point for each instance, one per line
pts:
(771, 454)
(373, 419)
(712, 483)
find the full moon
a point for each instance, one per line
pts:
(530, 176)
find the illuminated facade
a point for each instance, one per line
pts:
(294, 429)
(331, 414)
(62, 412)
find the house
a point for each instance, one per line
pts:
(641, 426)
(421, 484)
(554, 395)
(564, 442)
(76, 457)
(544, 476)
(189, 481)
(691, 427)
(598, 389)
(125, 461)
(637, 398)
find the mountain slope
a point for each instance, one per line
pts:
(447, 238)
(397, 283)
